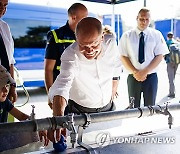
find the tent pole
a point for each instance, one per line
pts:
(144, 3)
(113, 19)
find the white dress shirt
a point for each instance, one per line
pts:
(8, 41)
(88, 82)
(154, 45)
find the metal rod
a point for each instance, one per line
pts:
(59, 122)
(144, 3)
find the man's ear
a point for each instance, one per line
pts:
(73, 17)
(4, 11)
(137, 18)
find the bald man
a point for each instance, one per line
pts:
(58, 40)
(89, 69)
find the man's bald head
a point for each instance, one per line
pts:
(89, 37)
(88, 26)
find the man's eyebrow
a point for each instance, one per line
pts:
(97, 40)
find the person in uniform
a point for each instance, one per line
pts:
(142, 49)
(58, 40)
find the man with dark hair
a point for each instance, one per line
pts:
(142, 50)
(89, 69)
(58, 40)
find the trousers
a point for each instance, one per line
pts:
(147, 87)
(171, 71)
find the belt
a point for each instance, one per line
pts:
(147, 75)
(74, 107)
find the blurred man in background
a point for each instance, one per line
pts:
(172, 63)
(58, 40)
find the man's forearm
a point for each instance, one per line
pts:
(128, 65)
(154, 63)
(48, 68)
(141, 75)
(48, 79)
(59, 105)
(12, 70)
(114, 88)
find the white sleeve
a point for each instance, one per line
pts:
(63, 83)
(161, 46)
(117, 61)
(9, 43)
(122, 46)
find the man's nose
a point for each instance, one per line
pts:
(89, 49)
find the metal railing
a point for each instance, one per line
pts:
(84, 120)
(63, 122)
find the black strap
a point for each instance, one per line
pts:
(3, 54)
(76, 108)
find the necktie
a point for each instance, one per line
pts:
(141, 48)
(3, 54)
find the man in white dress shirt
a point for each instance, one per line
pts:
(142, 74)
(7, 40)
(90, 69)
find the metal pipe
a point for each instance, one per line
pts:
(59, 122)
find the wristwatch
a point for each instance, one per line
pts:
(116, 78)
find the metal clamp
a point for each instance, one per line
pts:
(53, 123)
(151, 109)
(70, 126)
(141, 112)
(88, 148)
(131, 104)
(88, 120)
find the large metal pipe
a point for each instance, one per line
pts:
(58, 122)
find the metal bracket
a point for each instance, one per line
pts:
(89, 149)
(131, 104)
(151, 109)
(166, 112)
(70, 126)
(141, 112)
